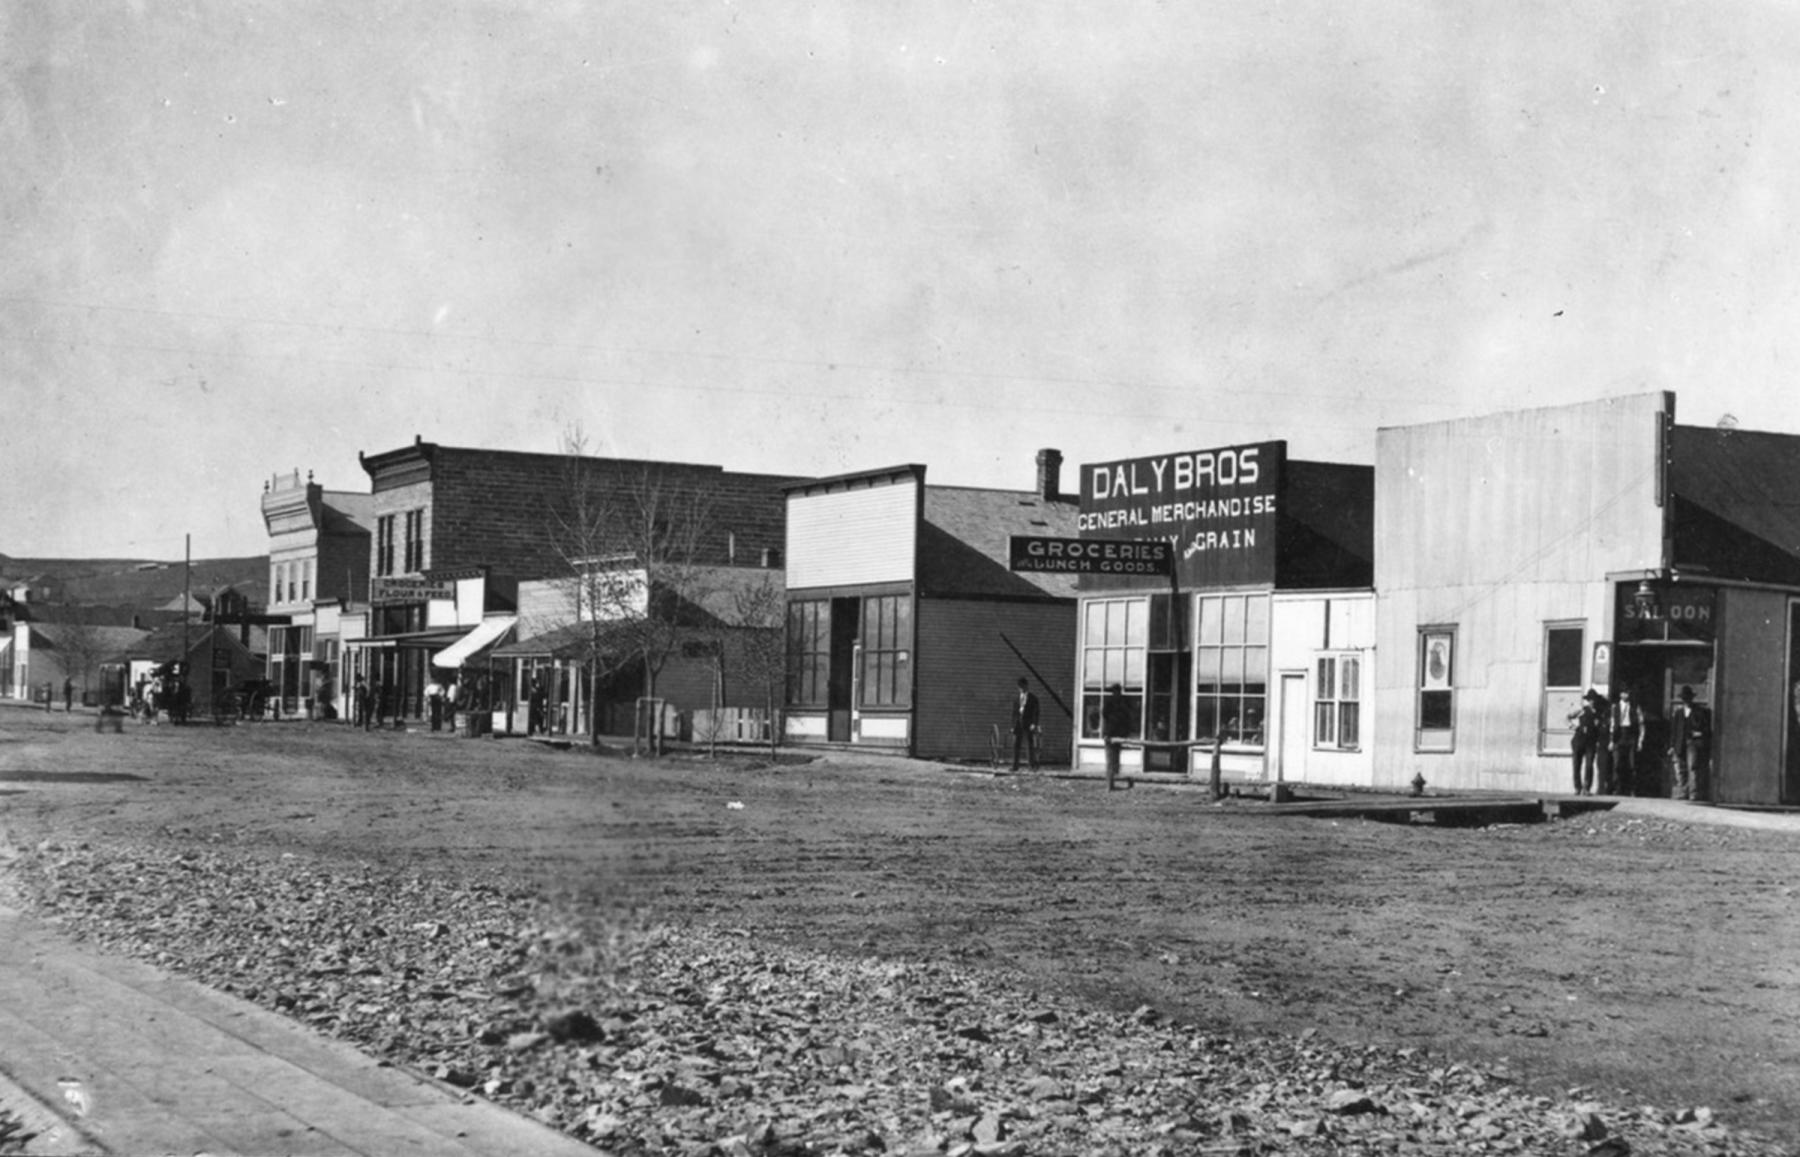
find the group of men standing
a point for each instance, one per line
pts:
(1610, 738)
(373, 702)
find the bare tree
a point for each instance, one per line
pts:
(634, 551)
(583, 519)
(760, 612)
(82, 644)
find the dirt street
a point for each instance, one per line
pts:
(1650, 963)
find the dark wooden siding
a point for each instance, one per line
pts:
(971, 656)
(686, 680)
(1751, 697)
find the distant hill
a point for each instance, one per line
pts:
(136, 581)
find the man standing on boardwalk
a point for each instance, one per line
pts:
(1113, 723)
(1025, 724)
(1690, 745)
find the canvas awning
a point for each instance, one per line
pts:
(486, 634)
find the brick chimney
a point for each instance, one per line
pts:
(1049, 475)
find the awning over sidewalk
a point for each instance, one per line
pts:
(572, 642)
(486, 634)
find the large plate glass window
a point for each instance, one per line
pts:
(809, 652)
(1115, 635)
(1231, 668)
(887, 651)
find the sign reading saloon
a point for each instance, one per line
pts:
(1217, 508)
(1673, 612)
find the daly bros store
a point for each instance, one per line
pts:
(1258, 635)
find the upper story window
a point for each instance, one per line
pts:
(415, 541)
(384, 545)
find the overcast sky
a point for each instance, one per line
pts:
(241, 238)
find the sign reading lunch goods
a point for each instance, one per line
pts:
(1090, 556)
(1216, 508)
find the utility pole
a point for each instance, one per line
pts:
(187, 612)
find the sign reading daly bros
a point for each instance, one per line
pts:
(1217, 508)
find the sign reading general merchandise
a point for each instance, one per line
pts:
(1216, 508)
(1090, 556)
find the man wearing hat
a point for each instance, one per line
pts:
(1587, 730)
(1690, 742)
(1625, 735)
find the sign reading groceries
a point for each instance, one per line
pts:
(1090, 556)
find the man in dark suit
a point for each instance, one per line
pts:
(1025, 724)
(1690, 745)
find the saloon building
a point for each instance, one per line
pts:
(1259, 637)
(906, 627)
(1524, 557)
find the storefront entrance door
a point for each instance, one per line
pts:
(1656, 673)
(846, 622)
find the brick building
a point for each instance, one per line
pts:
(457, 529)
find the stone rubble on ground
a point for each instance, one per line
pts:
(708, 1042)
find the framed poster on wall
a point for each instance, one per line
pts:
(1439, 647)
(1435, 725)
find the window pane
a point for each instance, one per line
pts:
(1323, 735)
(1256, 618)
(1115, 622)
(1351, 718)
(1231, 664)
(1134, 668)
(1234, 619)
(1206, 717)
(1115, 666)
(1093, 669)
(1326, 685)
(1256, 664)
(1134, 716)
(1094, 632)
(1137, 622)
(1351, 688)
(1250, 728)
(1562, 657)
(1206, 666)
(1090, 716)
(1434, 710)
(1210, 620)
